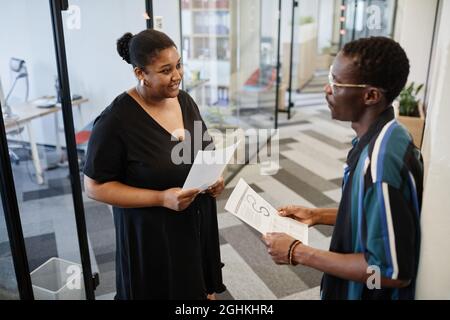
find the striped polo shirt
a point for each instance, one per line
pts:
(379, 211)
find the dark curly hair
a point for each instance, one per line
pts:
(382, 63)
(140, 49)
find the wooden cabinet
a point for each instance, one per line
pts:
(305, 54)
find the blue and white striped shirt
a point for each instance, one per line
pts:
(379, 213)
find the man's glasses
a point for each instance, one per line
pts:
(341, 85)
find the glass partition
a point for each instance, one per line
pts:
(36, 142)
(8, 283)
(230, 58)
(308, 35)
(97, 75)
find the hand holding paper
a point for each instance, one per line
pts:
(217, 188)
(248, 206)
(208, 167)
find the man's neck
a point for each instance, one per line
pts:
(367, 119)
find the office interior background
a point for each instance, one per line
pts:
(247, 67)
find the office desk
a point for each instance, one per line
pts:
(24, 114)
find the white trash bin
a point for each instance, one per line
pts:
(58, 279)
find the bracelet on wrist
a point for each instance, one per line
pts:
(294, 244)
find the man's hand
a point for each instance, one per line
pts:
(304, 215)
(278, 246)
(216, 189)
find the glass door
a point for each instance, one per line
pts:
(37, 131)
(230, 54)
(8, 281)
(97, 74)
(255, 67)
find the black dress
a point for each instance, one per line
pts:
(160, 253)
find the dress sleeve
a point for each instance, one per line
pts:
(106, 153)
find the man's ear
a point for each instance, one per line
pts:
(373, 96)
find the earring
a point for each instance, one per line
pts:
(142, 82)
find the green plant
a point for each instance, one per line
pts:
(408, 101)
(306, 20)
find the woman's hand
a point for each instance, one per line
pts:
(216, 189)
(178, 199)
(304, 215)
(278, 246)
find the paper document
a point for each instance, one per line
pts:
(45, 102)
(251, 208)
(208, 167)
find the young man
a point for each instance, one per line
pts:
(377, 228)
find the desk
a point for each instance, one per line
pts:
(24, 114)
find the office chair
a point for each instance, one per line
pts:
(19, 69)
(82, 139)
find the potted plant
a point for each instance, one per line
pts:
(410, 112)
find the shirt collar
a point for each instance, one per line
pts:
(360, 143)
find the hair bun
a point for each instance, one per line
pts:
(123, 46)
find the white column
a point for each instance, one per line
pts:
(433, 280)
(413, 30)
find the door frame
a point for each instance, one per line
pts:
(7, 186)
(56, 8)
(12, 219)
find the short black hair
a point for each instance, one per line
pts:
(140, 49)
(381, 62)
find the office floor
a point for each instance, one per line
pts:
(313, 149)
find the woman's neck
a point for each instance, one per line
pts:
(148, 100)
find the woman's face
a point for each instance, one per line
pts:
(164, 74)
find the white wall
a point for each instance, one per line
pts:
(169, 10)
(309, 8)
(26, 33)
(95, 69)
(325, 25)
(434, 277)
(413, 30)
(269, 18)
(286, 19)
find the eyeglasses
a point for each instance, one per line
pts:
(342, 85)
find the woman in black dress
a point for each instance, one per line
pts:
(167, 242)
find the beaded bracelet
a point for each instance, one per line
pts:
(291, 250)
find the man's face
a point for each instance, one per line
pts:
(346, 104)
